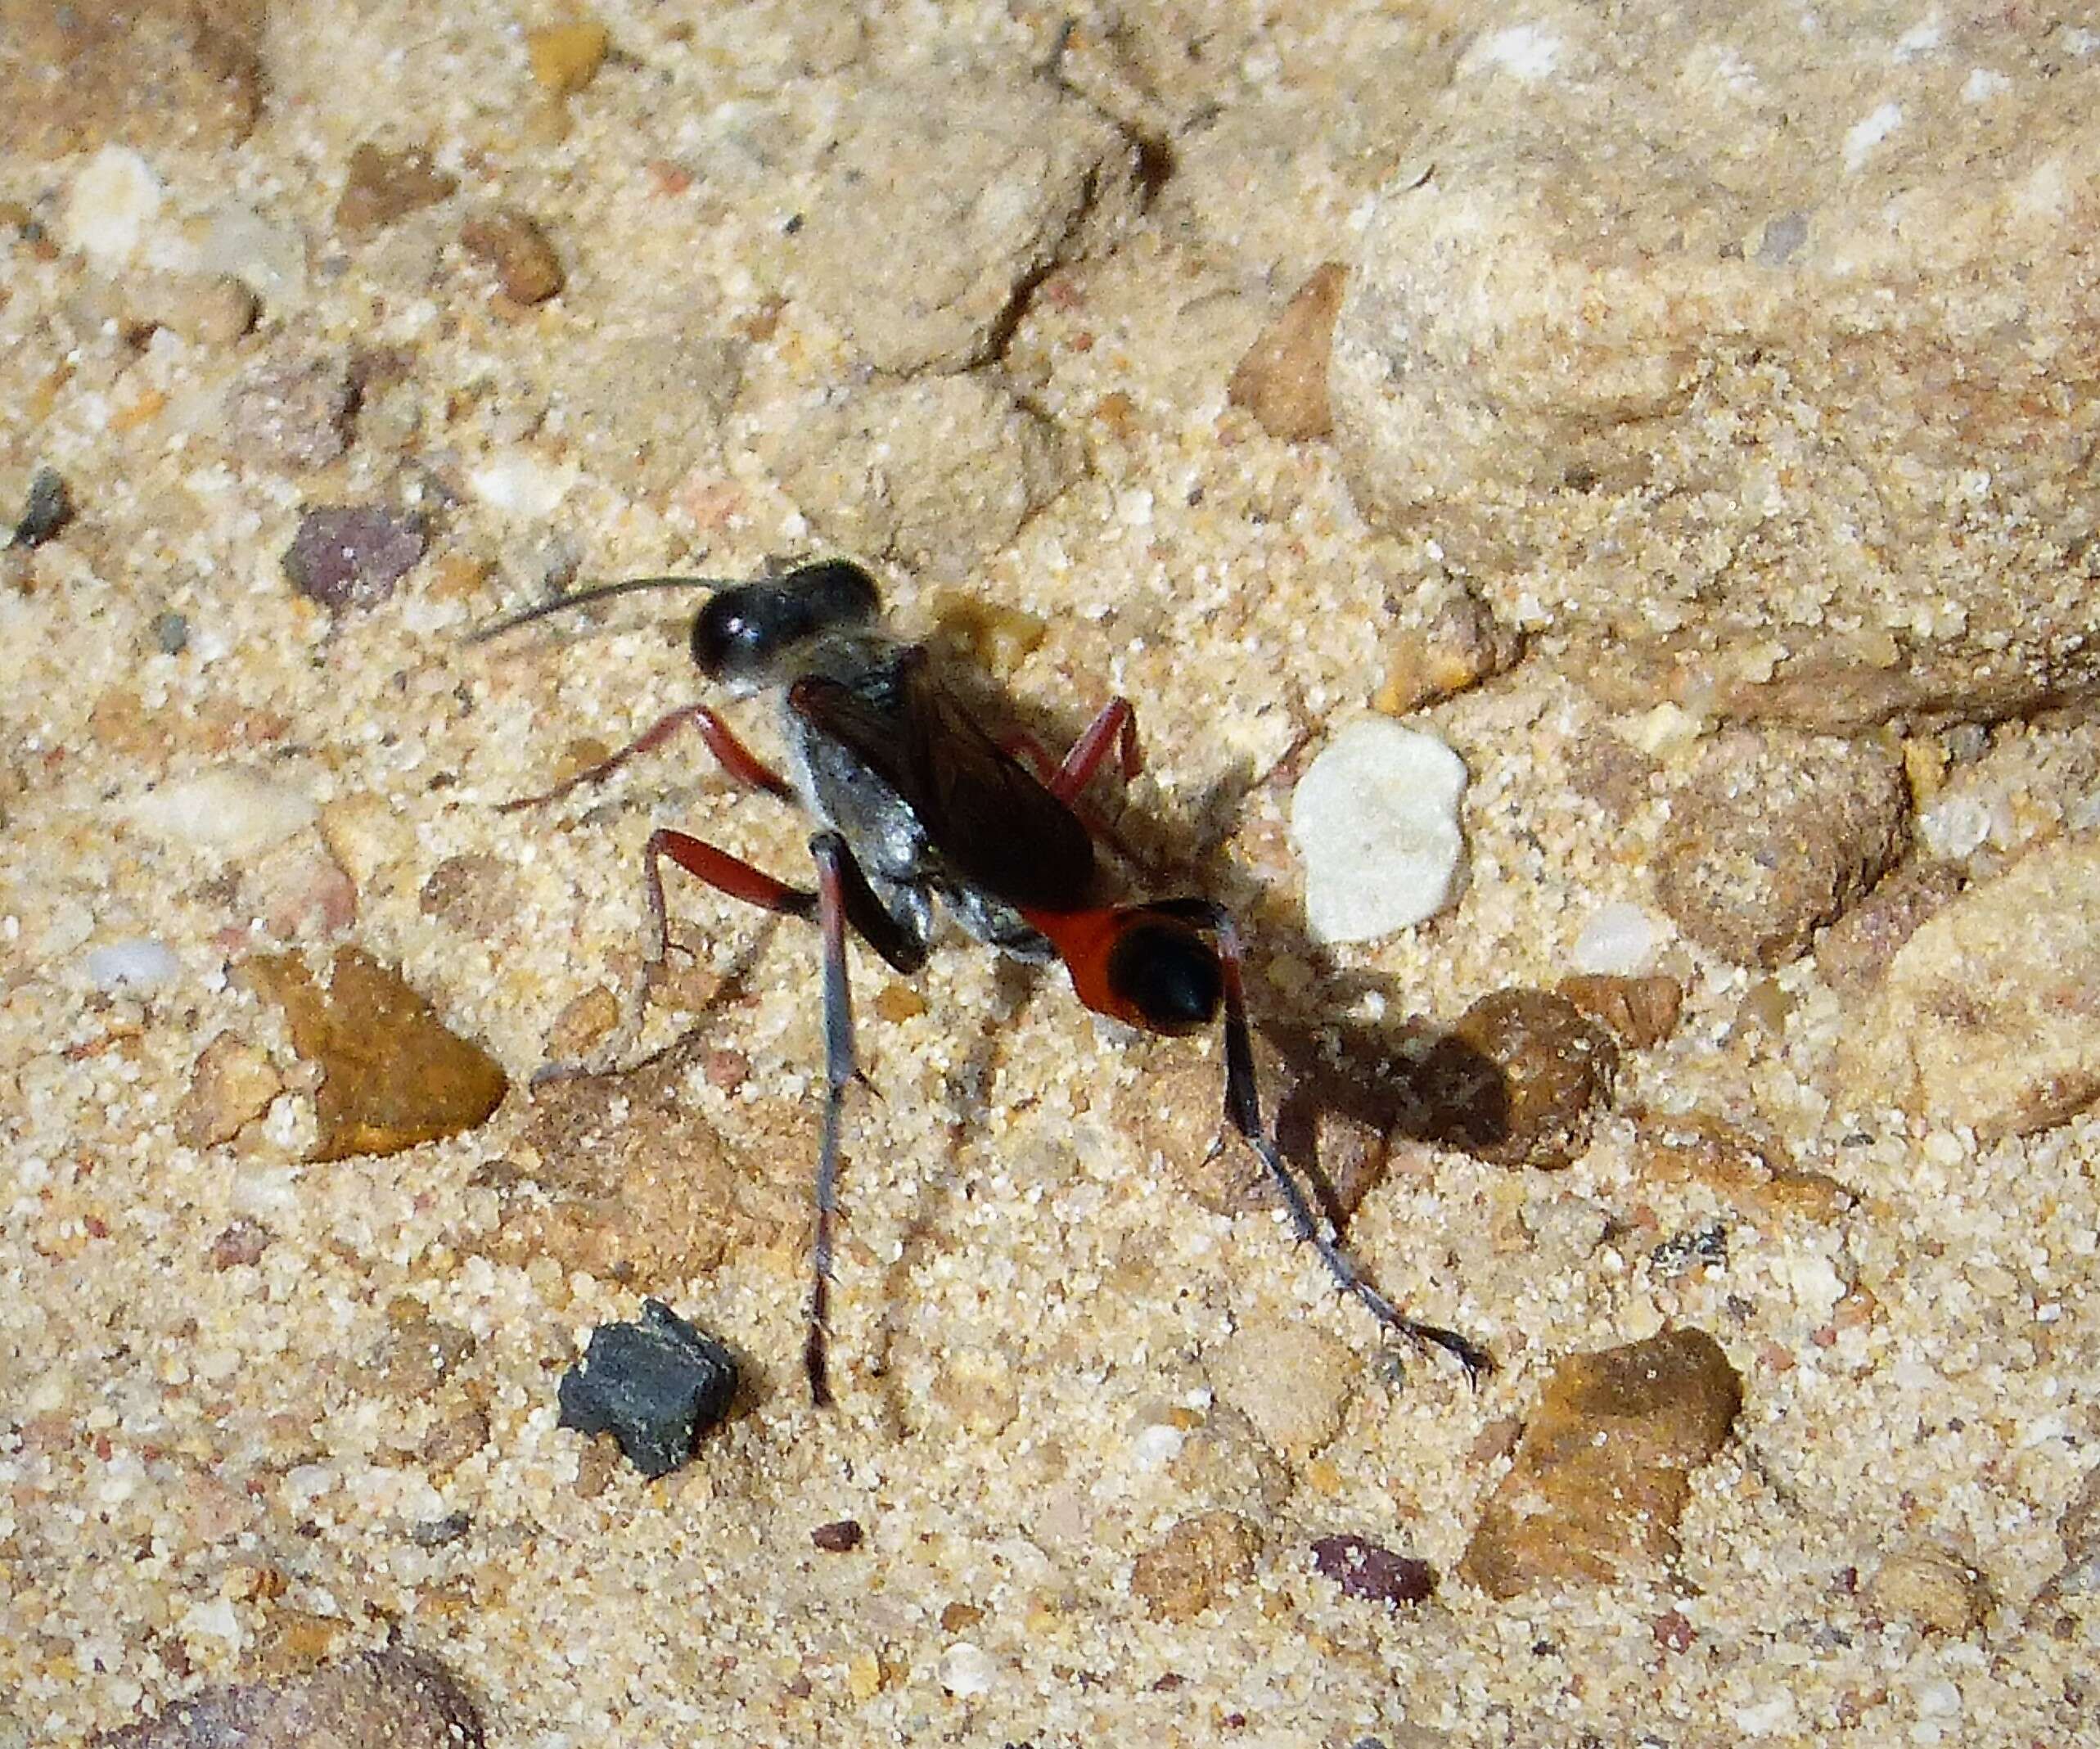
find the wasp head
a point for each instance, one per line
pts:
(746, 634)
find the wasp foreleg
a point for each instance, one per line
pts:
(736, 759)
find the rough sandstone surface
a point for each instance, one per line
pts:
(1764, 376)
(1986, 1015)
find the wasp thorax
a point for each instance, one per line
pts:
(745, 634)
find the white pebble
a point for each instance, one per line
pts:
(115, 196)
(1375, 820)
(137, 964)
(965, 1671)
(523, 487)
(1618, 940)
(269, 259)
(231, 810)
(213, 1619)
(1955, 827)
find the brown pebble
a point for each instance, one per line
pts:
(241, 1243)
(1364, 1569)
(382, 185)
(1640, 1011)
(1673, 1632)
(584, 1022)
(454, 1438)
(156, 75)
(415, 1356)
(1932, 1589)
(839, 1538)
(1758, 1177)
(597, 1465)
(1283, 381)
(208, 309)
(1291, 1380)
(618, 1175)
(1775, 834)
(993, 636)
(1603, 1471)
(471, 893)
(959, 1617)
(726, 1068)
(566, 58)
(512, 244)
(232, 1085)
(396, 1699)
(291, 414)
(1196, 1563)
(352, 556)
(393, 1074)
(1518, 1079)
(1462, 646)
(1856, 950)
(896, 1002)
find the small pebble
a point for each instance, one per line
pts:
(171, 632)
(840, 1538)
(566, 57)
(1290, 1379)
(1618, 940)
(393, 1073)
(1283, 381)
(232, 1085)
(965, 1671)
(1462, 646)
(438, 1533)
(137, 964)
(1603, 1471)
(114, 199)
(656, 1386)
(381, 186)
(232, 811)
(1640, 1011)
(267, 258)
(1196, 1563)
(1775, 834)
(512, 244)
(48, 509)
(293, 414)
(377, 1700)
(241, 1244)
(1518, 1079)
(1932, 1589)
(522, 486)
(1375, 819)
(208, 309)
(353, 554)
(1857, 948)
(1365, 1570)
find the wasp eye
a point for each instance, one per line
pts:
(1167, 975)
(731, 641)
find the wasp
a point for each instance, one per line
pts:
(919, 809)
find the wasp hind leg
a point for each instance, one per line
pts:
(1243, 1114)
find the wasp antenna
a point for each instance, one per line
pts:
(585, 598)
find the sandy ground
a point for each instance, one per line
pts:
(242, 1385)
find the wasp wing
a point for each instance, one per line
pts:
(987, 818)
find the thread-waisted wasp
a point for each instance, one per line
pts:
(916, 803)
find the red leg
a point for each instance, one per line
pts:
(725, 873)
(1116, 725)
(736, 759)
